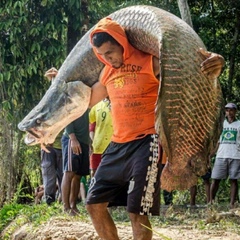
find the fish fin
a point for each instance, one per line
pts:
(181, 180)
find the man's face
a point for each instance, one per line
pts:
(230, 112)
(111, 53)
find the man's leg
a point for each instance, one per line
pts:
(49, 175)
(140, 226)
(102, 221)
(92, 172)
(39, 192)
(214, 188)
(233, 192)
(237, 197)
(168, 197)
(207, 189)
(75, 186)
(193, 193)
(66, 188)
(59, 172)
(82, 192)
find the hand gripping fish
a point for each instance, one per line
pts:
(188, 109)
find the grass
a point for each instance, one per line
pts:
(13, 216)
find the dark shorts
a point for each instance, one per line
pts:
(129, 175)
(207, 176)
(72, 162)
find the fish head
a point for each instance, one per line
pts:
(62, 103)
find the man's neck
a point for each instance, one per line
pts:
(230, 120)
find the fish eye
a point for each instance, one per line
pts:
(38, 121)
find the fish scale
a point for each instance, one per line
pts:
(188, 109)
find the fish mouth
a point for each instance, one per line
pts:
(33, 137)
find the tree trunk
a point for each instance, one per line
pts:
(7, 176)
(233, 55)
(74, 35)
(185, 12)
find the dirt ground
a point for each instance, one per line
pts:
(60, 228)
(64, 230)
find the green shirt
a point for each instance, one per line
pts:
(80, 127)
(57, 144)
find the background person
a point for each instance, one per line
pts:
(75, 147)
(227, 162)
(100, 131)
(83, 189)
(51, 162)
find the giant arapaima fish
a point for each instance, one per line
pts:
(188, 109)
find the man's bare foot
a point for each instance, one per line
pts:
(232, 206)
(67, 210)
(74, 212)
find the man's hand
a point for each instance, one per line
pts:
(75, 145)
(212, 64)
(51, 73)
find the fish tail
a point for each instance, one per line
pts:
(180, 179)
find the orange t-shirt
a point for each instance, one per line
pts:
(133, 91)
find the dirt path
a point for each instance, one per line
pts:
(61, 229)
(174, 223)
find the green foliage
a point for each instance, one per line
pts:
(37, 214)
(8, 214)
(35, 43)
(30, 159)
(13, 216)
(32, 39)
(100, 9)
(19, 214)
(217, 23)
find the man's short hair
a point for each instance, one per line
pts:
(101, 37)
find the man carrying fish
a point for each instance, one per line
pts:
(129, 172)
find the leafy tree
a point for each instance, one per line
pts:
(218, 24)
(33, 37)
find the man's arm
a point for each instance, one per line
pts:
(214, 150)
(156, 66)
(99, 92)
(92, 130)
(211, 66)
(91, 134)
(75, 145)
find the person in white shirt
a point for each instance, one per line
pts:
(227, 163)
